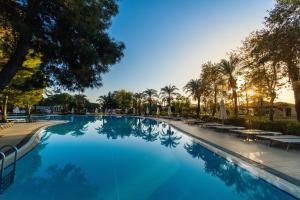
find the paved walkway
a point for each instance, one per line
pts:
(19, 131)
(276, 158)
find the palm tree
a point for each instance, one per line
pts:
(138, 101)
(149, 94)
(212, 80)
(229, 68)
(194, 87)
(107, 101)
(169, 91)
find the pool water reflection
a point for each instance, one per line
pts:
(129, 158)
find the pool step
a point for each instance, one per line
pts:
(7, 179)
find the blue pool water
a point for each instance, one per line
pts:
(129, 158)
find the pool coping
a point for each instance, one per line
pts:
(28, 143)
(280, 180)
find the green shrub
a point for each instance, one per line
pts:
(237, 121)
(284, 126)
(209, 118)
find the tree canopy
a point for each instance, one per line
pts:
(71, 35)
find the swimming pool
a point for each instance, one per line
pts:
(129, 158)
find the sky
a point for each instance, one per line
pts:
(168, 40)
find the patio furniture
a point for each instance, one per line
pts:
(18, 120)
(177, 118)
(194, 121)
(229, 128)
(269, 137)
(247, 130)
(286, 139)
(252, 133)
(211, 125)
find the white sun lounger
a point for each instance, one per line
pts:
(247, 131)
(256, 132)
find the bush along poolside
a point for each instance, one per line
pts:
(284, 126)
(291, 127)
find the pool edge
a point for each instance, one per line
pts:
(29, 142)
(280, 180)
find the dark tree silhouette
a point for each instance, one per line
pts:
(169, 139)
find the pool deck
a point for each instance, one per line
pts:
(276, 160)
(19, 132)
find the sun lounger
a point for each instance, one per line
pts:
(248, 130)
(211, 125)
(194, 121)
(16, 120)
(287, 141)
(177, 118)
(229, 128)
(255, 132)
(268, 137)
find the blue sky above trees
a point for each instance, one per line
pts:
(167, 41)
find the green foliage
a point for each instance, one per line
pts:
(107, 101)
(195, 88)
(214, 83)
(237, 121)
(149, 95)
(284, 126)
(66, 100)
(230, 70)
(209, 118)
(287, 1)
(81, 103)
(124, 99)
(168, 92)
(72, 36)
(28, 98)
(181, 105)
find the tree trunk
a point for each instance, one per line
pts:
(15, 62)
(271, 112)
(198, 107)
(296, 88)
(29, 112)
(215, 103)
(236, 111)
(150, 105)
(205, 106)
(4, 109)
(139, 108)
(247, 103)
(261, 101)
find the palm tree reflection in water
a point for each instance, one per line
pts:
(147, 129)
(169, 138)
(150, 133)
(243, 183)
